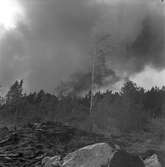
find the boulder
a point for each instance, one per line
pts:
(95, 155)
(121, 158)
(51, 161)
(152, 161)
(154, 156)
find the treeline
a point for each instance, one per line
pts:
(128, 110)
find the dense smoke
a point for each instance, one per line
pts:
(56, 40)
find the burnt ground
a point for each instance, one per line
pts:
(28, 145)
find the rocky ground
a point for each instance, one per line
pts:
(27, 146)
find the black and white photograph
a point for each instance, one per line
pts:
(82, 83)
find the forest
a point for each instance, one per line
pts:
(132, 109)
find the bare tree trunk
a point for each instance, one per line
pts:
(92, 84)
(92, 91)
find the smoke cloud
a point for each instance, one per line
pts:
(56, 40)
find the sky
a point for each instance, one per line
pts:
(51, 43)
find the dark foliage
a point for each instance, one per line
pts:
(130, 109)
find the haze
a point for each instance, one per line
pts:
(53, 40)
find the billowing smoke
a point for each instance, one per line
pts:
(57, 39)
